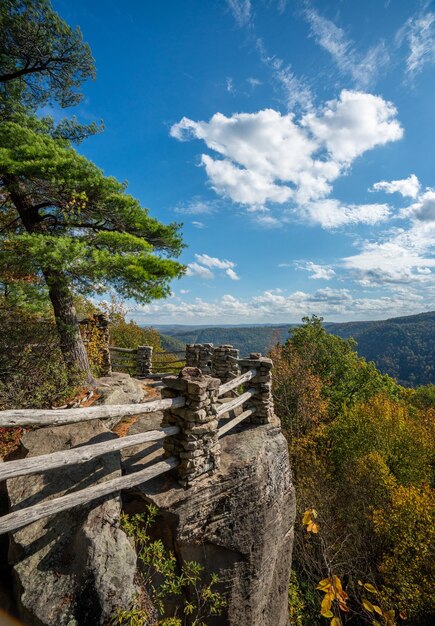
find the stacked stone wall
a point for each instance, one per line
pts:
(144, 360)
(200, 355)
(196, 444)
(262, 401)
(225, 364)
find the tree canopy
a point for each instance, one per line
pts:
(60, 211)
(41, 57)
(64, 225)
(346, 377)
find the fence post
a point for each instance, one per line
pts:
(200, 355)
(196, 445)
(262, 402)
(144, 360)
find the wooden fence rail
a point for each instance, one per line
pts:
(31, 465)
(233, 404)
(82, 454)
(42, 417)
(236, 382)
(123, 350)
(18, 519)
(236, 420)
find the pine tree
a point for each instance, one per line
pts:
(62, 221)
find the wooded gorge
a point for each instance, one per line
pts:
(362, 453)
(356, 401)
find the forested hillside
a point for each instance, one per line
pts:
(361, 450)
(402, 347)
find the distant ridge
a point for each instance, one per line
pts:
(403, 347)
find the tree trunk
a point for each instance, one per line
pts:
(71, 342)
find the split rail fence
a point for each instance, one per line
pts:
(198, 410)
(145, 362)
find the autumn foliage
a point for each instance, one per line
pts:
(362, 454)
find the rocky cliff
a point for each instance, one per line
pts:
(237, 523)
(73, 569)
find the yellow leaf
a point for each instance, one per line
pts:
(314, 513)
(306, 518)
(360, 582)
(326, 604)
(376, 623)
(335, 622)
(327, 614)
(377, 609)
(371, 588)
(312, 528)
(367, 605)
(337, 583)
(324, 584)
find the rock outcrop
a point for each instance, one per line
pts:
(238, 523)
(119, 388)
(74, 568)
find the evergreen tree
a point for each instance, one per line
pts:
(41, 58)
(63, 220)
(63, 223)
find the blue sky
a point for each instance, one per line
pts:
(294, 140)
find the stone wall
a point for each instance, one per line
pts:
(144, 360)
(196, 444)
(200, 355)
(262, 402)
(225, 364)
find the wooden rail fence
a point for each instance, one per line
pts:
(144, 361)
(179, 427)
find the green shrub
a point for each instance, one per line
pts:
(162, 579)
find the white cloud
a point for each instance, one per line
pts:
(210, 261)
(254, 82)
(318, 272)
(423, 209)
(194, 269)
(199, 225)
(297, 92)
(419, 33)
(243, 185)
(403, 256)
(267, 157)
(407, 187)
(204, 264)
(353, 124)
(196, 206)
(230, 85)
(274, 306)
(267, 221)
(232, 274)
(184, 291)
(241, 10)
(361, 68)
(331, 213)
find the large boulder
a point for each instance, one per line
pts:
(119, 388)
(74, 568)
(237, 523)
